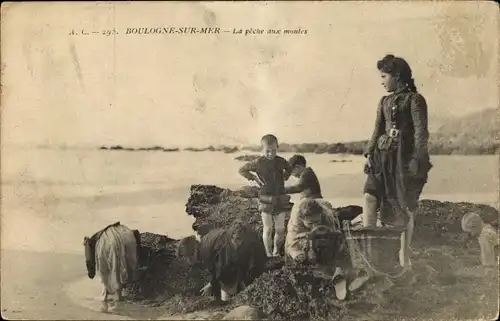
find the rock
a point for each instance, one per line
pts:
(229, 150)
(440, 222)
(244, 312)
(247, 192)
(321, 149)
(202, 196)
(337, 148)
(165, 275)
(285, 292)
(220, 208)
(194, 149)
(254, 148)
(291, 294)
(247, 158)
(154, 148)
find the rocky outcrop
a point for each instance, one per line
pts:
(440, 222)
(165, 275)
(209, 204)
(141, 149)
(219, 207)
(292, 294)
(229, 150)
(246, 158)
(285, 293)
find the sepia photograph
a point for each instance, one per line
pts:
(253, 160)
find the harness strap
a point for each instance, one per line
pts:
(97, 235)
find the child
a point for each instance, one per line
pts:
(486, 235)
(314, 237)
(306, 215)
(308, 184)
(271, 172)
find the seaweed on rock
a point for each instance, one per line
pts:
(292, 294)
(165, 275)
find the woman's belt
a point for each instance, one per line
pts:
(387, 141)
(393, 133)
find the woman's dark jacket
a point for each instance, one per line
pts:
(399, 171)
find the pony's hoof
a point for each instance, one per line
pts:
(114, 306)
(104, 307)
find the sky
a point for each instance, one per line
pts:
(178, 90)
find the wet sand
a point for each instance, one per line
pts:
(42, 250)
(32, 287)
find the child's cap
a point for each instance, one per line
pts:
(470, 221)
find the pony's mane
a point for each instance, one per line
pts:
(97, 235)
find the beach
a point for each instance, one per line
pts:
(52, 198)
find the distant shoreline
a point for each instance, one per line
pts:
(436, 147)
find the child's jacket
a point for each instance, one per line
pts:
(301, 224)
(272, 172)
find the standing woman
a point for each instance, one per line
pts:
(397, 158)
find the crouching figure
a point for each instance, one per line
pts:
(234, 257)
(112, 252)
(314, 238)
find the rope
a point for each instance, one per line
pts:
(365, 260)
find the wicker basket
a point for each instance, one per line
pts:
(374, 250)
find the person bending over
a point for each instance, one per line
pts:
(308, 185)
(232, 256)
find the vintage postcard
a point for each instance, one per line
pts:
(290, 160)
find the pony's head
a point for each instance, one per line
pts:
(90, 262)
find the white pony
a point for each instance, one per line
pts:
(113, 253)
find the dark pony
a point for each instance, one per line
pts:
(399, 68)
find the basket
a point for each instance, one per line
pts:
(374, 249)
